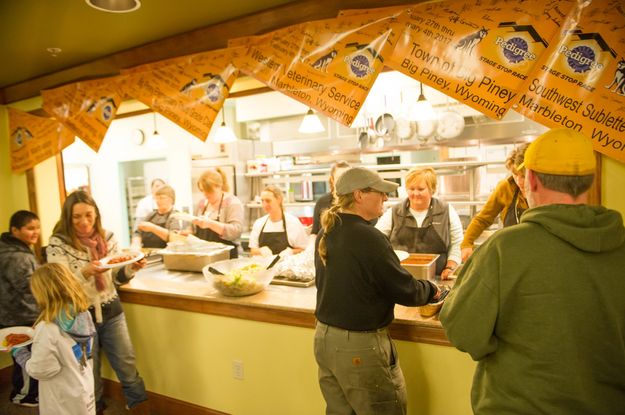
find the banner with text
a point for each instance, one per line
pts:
(189, 91)
(87, 108)
(329, 65)
(580, 82)
(477, 51)
(34, 139)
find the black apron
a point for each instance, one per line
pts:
(149, 239)
(276, 241)
(407, 235)
(514, 211)
(212, 236)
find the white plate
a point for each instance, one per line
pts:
(136, 257)
(401, 254)
(16, 330)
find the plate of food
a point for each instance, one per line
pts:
(121, 259)
(16, 336)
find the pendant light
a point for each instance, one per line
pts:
(422, 110)
(224, 134)
(311, 123)
(156, 139)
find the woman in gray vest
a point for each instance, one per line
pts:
(423, 223)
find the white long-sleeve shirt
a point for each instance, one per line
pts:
(65, 387)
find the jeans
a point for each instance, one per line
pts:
(359, 372)
(113, 338)
(25, 388)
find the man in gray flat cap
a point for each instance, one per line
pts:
(359, 280)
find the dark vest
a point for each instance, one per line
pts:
(149, 239)
(433, 237)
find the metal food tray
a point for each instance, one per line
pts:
(280, 280)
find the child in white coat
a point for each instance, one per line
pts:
(61, 352)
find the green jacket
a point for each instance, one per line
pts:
(541, 307)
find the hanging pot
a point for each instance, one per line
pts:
(385, 126)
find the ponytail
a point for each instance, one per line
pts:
(329, 219)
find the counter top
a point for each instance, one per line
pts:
(189, 291)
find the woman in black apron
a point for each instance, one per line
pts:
(424, 224)
(220, 213)
(153, 231)
(291, 233)
(507, 201)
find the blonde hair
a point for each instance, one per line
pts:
(56, 290)
(426, 173)
(211, 179)
(329, 219)
(515, 158)
(277, 193)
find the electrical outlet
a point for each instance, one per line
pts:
(237, 369)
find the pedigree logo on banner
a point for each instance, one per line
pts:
(189, 91)
(87, 108)
(478, 52)
(328, 65)
(34, 139)
(580, 82)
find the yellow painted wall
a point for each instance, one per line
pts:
(13, 190)
(612, 184)
(188, 356)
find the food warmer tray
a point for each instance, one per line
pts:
(280, 280)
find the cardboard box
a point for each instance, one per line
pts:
(421, 266)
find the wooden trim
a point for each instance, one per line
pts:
(32, 190)
(60, 176)
(159, 404)
(297, 318)
(200, 40)
(594, 194)
(33, 206)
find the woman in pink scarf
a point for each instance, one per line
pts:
(78, 242)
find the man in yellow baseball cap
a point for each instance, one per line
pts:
(540, 305)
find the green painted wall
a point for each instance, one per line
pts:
(188, 356)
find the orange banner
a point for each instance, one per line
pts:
(580, 82)
(189, 91)
(35, 139)
(478, 52)
(329, 65)
(87, 108)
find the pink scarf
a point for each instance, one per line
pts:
(97, 247)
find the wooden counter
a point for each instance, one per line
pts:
(189, 291)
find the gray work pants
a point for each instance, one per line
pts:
(359, 372)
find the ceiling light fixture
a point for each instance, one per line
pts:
(224, 134)
(422, 110)
(311, 123)
(156, 140)
(115, 6)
